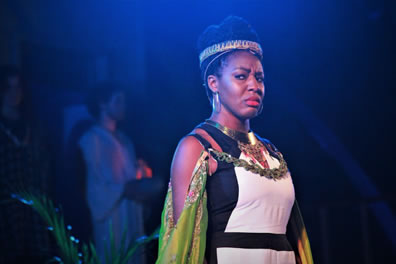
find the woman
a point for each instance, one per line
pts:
(231, 196)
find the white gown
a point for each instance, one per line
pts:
(110, 162)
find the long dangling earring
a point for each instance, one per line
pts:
(216, 102)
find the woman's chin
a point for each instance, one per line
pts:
(250, 113)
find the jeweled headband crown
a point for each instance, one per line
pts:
(228, 46)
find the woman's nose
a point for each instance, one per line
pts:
(255, 86)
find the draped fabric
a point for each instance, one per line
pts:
(185, 241)
(298, 237)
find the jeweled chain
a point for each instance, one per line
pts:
(275, 174)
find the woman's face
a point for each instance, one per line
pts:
(241, 85)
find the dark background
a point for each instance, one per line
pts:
(330, 77)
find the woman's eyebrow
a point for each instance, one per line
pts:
(247, 70)
(243, 69)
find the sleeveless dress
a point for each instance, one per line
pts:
(248, 214)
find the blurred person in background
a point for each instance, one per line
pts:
(111, 169)
(24, 166)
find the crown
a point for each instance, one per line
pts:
(230, 45)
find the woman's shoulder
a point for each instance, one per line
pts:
(187, 153)
(197, 139)
(189, 145)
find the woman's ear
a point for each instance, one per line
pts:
(213, 83)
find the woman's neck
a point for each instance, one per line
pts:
(230, 121)
(10, 112)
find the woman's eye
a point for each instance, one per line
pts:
(240, 77)
(260, 79)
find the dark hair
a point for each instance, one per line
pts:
(101, 93)
(232, 28)
(6, 72)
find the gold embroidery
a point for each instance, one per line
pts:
(196, 184)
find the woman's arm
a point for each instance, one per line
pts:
(184, 161)
(185, 158)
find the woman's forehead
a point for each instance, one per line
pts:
(243, 60)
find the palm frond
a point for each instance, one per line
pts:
(69, 245)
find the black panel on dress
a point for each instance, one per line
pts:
(222, 190)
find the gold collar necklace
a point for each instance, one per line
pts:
(249, 137)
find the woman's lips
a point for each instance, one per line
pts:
(253, 102)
